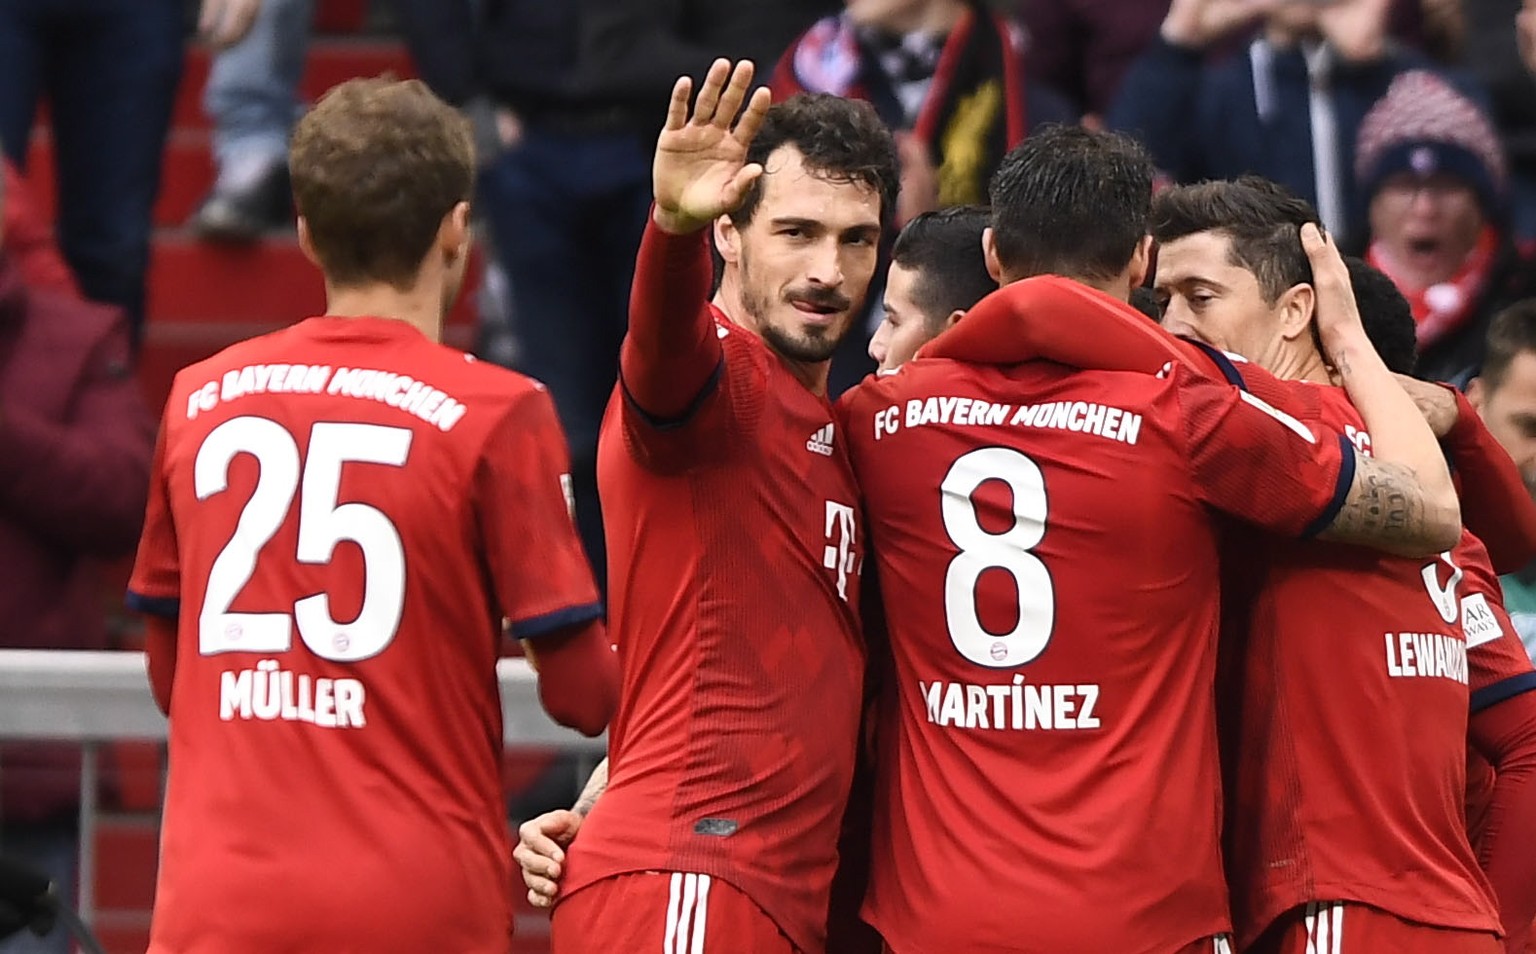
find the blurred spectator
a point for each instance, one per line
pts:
(1498, 57)
(108, 69)
(576, 92)
(252, 98)
(946, 75)
(1432, 169)
(1084, 47)
(29, 238)
(1505, 396)
(1286, 108)
(74, 468)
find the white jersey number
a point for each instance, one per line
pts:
(1010, 551)
(322, 525)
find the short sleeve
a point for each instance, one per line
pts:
(523, 498)
(155, 584)
(1497, 665)
(1259, 464)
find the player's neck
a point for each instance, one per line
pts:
(812, 374)
(1301, 364)
(421, 306)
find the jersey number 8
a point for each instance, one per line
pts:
(322, 525)
(1009, 551)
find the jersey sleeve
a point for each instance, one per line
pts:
(721, 421)
(1497, 665)
(673, 364)
(538, 570)
(1258, 463)
(155, 584)
(1495, 504)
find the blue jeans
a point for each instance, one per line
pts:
(566, 212)
(252, 92)
(53, 850)
(109, 70)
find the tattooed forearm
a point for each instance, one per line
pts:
(595, 786)
(1386, 508)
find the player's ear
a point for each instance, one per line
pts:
(1477, 393)
(453, 233)
(954, 316)
(1296, 307)
(307, 243)
(728, 239)
(1141, 263)
(989, 254)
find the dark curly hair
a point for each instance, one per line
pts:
(1070, 201)
(1262, 220)
(841, 139)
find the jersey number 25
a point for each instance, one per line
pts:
(322, 525)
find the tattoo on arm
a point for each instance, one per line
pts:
(1385, 505)
(595, 786)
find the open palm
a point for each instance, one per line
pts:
(701, 169)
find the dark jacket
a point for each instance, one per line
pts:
(75, 446)
(1204, 121)
(598, 63)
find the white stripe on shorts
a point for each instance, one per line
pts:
(687, 914)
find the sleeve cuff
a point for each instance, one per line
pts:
(535, 626)
(1340, 490)
(166, 606)
(1501, 690)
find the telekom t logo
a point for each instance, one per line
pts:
(839, 554)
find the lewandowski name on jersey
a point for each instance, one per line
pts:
(417, 398)
(1111, 423)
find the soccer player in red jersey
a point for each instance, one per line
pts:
(733, 529)
(1048, 560)
(937, 271)
(1335, 797)
(342, 513)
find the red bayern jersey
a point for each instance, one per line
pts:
(1497, 665)
(734, 580)
(1348, 719)
(341, 515)
(1045, 546)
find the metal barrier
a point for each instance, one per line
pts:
(92, 698)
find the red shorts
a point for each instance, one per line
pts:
(672, 913)
(1345, 928)
(1206, 945)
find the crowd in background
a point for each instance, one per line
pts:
(1410, 124)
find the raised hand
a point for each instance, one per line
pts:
(1356, 29)
(1196, 24)
(1337, 315)
(701, 170)
(1525, 34)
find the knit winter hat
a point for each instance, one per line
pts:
(1423, 125)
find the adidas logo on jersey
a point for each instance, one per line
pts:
(821, 442)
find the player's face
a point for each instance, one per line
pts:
(1510, 413)
(905, 328)
(806, 258)
(1426, 225)
(1209, 298)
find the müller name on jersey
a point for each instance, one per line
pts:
(418, 398)
(1084, 417)
(1010, 705)
(268, 693)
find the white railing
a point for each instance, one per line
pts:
(92, 698)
